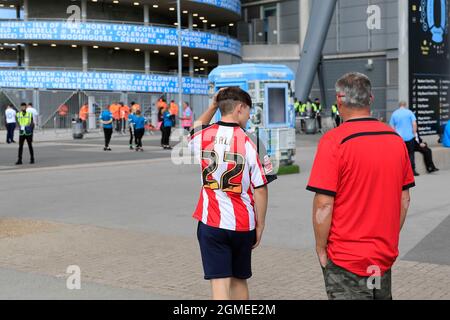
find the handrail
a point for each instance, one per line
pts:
(123, 22)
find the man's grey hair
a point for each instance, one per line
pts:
(355, 90)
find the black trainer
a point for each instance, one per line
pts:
(19, 162)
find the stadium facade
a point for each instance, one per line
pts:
(55, 53)
(397, 43)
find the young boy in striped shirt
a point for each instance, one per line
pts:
(233, 200)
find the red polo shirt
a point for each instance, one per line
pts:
(365, 166)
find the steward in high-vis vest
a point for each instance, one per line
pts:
(335, 114)
(308, 109)
(317, 107)
(25, 123)
(297, 105)
(303, 109)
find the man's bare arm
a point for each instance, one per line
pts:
(406, 199)
(322, 214)
(261, 199)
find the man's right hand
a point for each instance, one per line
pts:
(259, 232)
(323, 256)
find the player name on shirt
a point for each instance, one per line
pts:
(221, 140)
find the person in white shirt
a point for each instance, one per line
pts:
(35, 114)
(10, 120)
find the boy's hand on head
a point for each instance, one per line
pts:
(214, 104)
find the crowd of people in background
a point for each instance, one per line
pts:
(313, 110)
(118, 117)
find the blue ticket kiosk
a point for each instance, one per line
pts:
(272, 118)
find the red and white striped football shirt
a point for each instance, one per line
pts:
(231, 169)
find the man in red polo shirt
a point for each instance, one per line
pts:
(361, 176)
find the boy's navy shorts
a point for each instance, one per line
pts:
(225, 253)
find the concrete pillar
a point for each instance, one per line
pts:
(37, 106)
(314, 42)
(146, 14)
(403, 51)
(191, 67)
(147, 61)
(278, 23)
(85, 59)
(91, 118)
(190, 21)
(25, 10)
(83, 10)
(26, 52)
(304, 14)
(18, 55)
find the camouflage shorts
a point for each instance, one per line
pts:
(344, 285)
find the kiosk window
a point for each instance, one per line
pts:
(277, 103)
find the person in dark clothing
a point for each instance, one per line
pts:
(317, 107)
(166, 128)
(25, 121)
(161, 110)
(423, 148)
(139, 129)
(106, 119)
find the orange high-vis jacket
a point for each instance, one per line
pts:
(161, 104)
(124, 112)
(173, 109)
(84, 112)
(114, 108)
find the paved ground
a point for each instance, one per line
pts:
(124, 218)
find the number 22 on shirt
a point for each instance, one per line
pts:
(225, 183)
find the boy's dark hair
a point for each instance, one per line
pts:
(23, 104)
(228, 98)
(30, 104)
